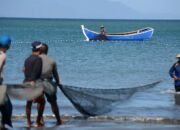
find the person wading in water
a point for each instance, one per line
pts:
(174, 72)
(32, 72)
(6, 106)
(49, 72)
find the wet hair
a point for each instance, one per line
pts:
(44, 48)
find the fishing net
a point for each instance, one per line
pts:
(24, 91)
(92, 102)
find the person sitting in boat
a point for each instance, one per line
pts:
(102, 30)
(102, 35)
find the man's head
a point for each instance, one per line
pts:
(36, 46)
(5, 42)
(101, 26)
(178, 56)
(44, 49)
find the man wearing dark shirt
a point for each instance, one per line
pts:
(33, 66)
(32, 72)
(174, 72)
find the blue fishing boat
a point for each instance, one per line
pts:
(140, 34)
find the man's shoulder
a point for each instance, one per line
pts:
(47, 58)
(51, 59)
(33, 58)
(176, 64)
(2, 55)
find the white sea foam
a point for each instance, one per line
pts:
(169, 91)
(158, 120)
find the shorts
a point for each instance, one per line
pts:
(6, 111)
(177, 88)
(51, 98)
(39, 99)
(50, 94)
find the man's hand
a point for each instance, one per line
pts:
(32, 83)
(176, 78)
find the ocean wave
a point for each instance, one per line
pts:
(169, 91)
(158, 120)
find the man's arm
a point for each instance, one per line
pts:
(2, 62)
(171, 71)
(55, 74)
(172, 74)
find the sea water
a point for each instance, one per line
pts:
(107, 65)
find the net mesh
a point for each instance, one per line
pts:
(24, 91)
(92, 102)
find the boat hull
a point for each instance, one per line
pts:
(140, 34)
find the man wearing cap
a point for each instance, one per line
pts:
(6, 106)
(32, 72)
(49, 72)
(102, 30)
(102, 34)
(174, 72)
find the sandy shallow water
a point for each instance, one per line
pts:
(77, 122)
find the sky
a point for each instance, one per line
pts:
(91, 9)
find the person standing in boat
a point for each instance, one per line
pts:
(6, 106)
(32, 73)
(49, 72)
(174, 72)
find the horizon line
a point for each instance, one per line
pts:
(84, 18)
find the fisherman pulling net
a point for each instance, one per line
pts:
(88, 101)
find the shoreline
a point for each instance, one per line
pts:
(141, 119)
(78, 122)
